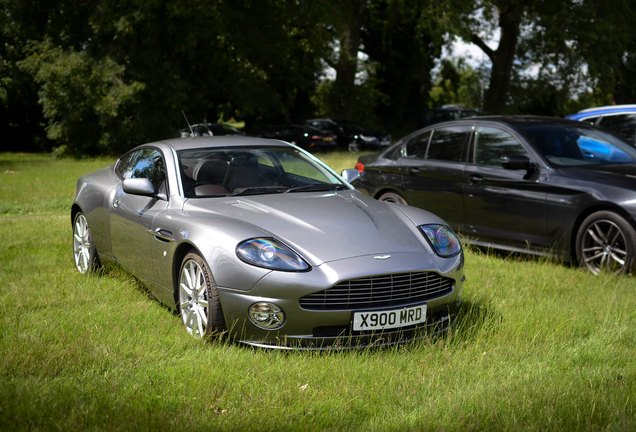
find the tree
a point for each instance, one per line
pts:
(570, 41)
(123, 70)
(402, 39)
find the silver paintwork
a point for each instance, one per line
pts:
(339, 233)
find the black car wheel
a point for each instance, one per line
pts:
(84, 252)
(605, 243)
(354, 146)
(392, 197)
(198, 299)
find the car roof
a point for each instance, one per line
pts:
(219, 141)
(610, 109)
(512, 120)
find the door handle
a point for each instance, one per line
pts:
(476, 179)
(162, 234)
(413, 170)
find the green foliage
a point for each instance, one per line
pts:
(457, 83)
(83, 97)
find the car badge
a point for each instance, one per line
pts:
(382, 257)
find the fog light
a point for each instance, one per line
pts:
(266, 315)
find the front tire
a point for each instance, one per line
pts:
(198, 299)
(392, 197)
(606, 243)
(84, 251)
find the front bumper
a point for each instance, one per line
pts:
(325, 329)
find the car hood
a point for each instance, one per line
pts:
(623, 175)
(321, 226)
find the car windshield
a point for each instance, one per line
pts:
(578, 146)
(231, 171)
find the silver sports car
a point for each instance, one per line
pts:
(259, 240)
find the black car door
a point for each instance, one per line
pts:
(132, 216)
(433, 172)
(503, 206)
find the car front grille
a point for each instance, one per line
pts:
(379, 291)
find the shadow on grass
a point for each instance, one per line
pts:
(516, 256)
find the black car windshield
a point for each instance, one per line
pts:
(231, 171)
(578, 146)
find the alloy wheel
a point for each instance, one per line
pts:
(604, 247)
(193, 298)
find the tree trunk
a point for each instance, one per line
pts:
(347, 65)
(502, 59)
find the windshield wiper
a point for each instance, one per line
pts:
(317, 187)
(253, 190)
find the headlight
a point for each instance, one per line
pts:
(443, 239)
(271, 254)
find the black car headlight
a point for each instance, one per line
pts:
(271, 254)
(443, 240)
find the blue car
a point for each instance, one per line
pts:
(621, 119)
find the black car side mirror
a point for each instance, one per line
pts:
(517, 162)
(138, 186)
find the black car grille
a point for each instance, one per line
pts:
(379, 291)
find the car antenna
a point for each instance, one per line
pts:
(186, 118)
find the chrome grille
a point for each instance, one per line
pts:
(379, 291)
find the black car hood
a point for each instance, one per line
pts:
(623, 175)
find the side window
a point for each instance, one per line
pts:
(492, 143)
(449, 143)
(145, 163)
(416, 146)
(622, 124)
(125, 164)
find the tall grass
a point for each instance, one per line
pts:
(538, 346)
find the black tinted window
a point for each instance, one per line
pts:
(416, 146)
(492, 143)
(448, 143)
(623, 124)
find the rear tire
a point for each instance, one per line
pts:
(392, 197)
(606, 242)
(198, 299)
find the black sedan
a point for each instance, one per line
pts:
(303, 136)
(352, 135)
(536, 185)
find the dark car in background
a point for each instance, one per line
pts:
(352, 135)
(618, 118)
(303, 136)
(210, 129)
(537, 185)
(431, 116)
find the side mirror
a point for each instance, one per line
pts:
(138, 186)
(350, 174)
(517, 162)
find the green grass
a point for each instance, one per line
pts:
(539, 346)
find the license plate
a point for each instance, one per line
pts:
(327, 138)
(380, 320)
